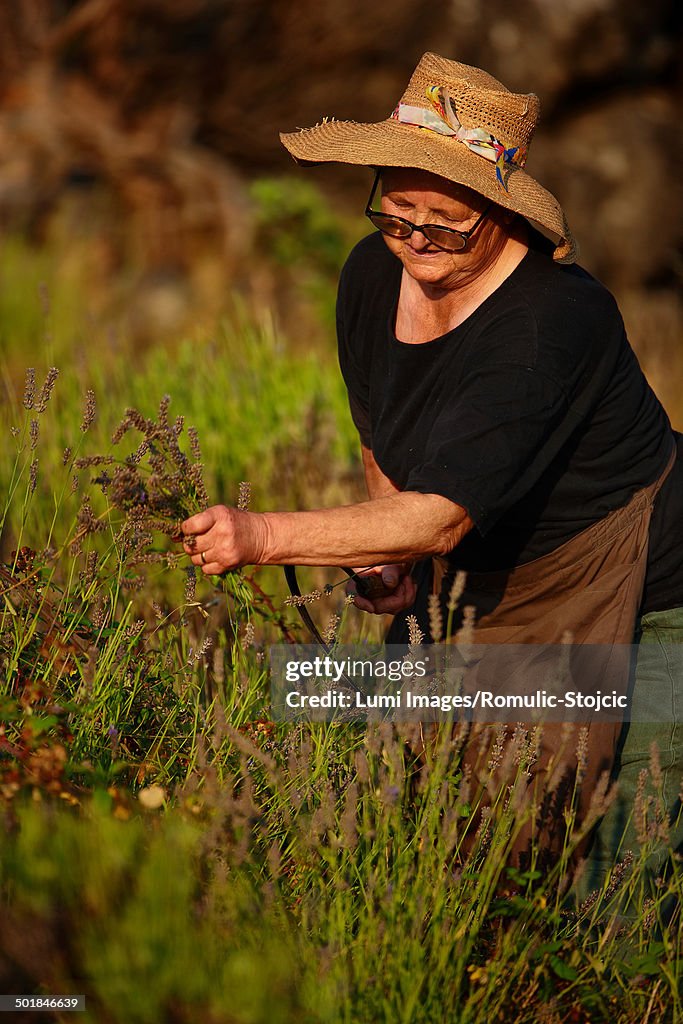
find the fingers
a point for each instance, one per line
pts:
(195, 529)
(213, 568)
(403, 597)
(210, 564)
(200, 523)
(197, 549)
(201, 557)
(198, 543)
(377, 582)
(223, 538)
(390, 575)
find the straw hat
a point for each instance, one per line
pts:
(460, 123)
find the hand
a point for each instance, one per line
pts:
(223, 538)
(399, 584)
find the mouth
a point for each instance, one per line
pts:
(422, 254)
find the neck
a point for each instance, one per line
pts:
(427, 311)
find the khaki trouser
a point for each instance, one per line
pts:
(657, 719)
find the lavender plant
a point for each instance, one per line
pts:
(155, 488)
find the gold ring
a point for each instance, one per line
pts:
(203, 558)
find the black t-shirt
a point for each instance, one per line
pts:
(533, 414)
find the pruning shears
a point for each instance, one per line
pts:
(368, 585)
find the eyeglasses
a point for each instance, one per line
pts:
(442, 237)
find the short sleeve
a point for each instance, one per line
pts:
(491, 444)
(356, 376)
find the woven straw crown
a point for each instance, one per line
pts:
(481, 102)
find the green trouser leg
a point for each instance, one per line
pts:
(657, 692)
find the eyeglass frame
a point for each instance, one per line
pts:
(466, 235)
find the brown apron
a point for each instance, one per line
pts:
(588, 590)
(590, 587)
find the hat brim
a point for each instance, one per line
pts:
(392, 144)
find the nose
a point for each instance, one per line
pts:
(418, 240)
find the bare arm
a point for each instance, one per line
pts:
(393, 589)
(378, 485)
(400, 527)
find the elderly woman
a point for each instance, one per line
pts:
(505, 425)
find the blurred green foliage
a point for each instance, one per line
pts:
(297, 227)
(137, 929)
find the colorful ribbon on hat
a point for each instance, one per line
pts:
(444, 120)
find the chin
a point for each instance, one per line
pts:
(431, 268)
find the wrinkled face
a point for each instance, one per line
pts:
(425, 198)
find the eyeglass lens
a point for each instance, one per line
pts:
(444, 238)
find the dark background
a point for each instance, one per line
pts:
(157, 114)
